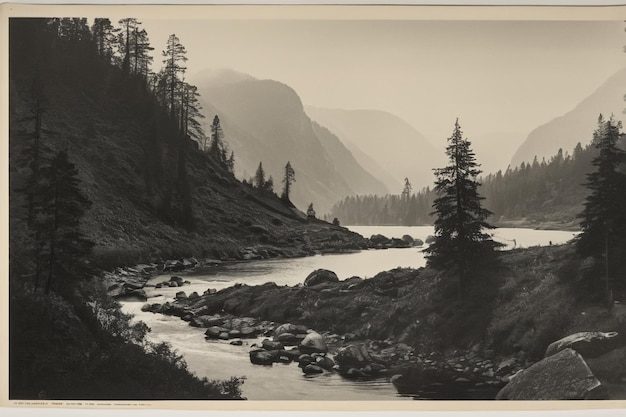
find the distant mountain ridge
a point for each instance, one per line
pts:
(264, 121)
(380, 142)
(576, 125)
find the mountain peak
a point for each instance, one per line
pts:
(578, 124)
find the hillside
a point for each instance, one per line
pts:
(264, 121)
(374, 135)
(147, 203)
(576, 125)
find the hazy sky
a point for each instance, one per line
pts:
(495, 75)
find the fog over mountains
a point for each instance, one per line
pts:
(384, 144)
(576, 125)
(264, 121)
(339, 152)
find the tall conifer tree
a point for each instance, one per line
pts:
(460, 238)
(604, 214)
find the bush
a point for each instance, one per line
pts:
(78, 350)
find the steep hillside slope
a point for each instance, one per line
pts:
(264, 121)
(154, 194)
(395, 145)
(577, 125)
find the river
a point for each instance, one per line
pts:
(220, 360)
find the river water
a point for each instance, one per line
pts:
(220, 360)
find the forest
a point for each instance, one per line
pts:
(539, 193)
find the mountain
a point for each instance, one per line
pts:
(264, 121)
(384, 144)
(576, 125)
(494, 149)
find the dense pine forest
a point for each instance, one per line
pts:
(541, 193)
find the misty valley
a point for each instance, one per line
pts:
(183, 232)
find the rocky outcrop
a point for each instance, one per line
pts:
(383, 242)
(588, 344)
(320, 276)
(562, 376)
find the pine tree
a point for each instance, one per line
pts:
(104, 35)
(288, 180)
(460, 239)
(406, 192)
(141, 52)
(175, 55)
(259, 177)
(129, 24)
(190, 113)
(217, 136)
(61, 245)
(604, 215)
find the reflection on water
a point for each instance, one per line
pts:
(220, 360)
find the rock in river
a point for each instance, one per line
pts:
(312, 369)
(562, 376)
(313, 343)
(261, 357)
(352, 356)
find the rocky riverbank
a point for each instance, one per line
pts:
(407, 325)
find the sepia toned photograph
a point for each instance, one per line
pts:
(315, 203)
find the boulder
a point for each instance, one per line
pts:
(213, 332)
(206, 321)
(178, 280)
(180, 295)
(248, 332)
(320, 276)
(305, 359)
(352, 356)
(379, 239)
(312, 369)
(408, 239)
(313, 342)
(236, 342)
(354, 373)
(271, 345)
(294, 354)
(287, 339)
(588, 344)
(261, 357)
(325, 362)
(284, 359)
(289, 328)
(131, 295)
(562, 376)
(234, 333)
(224, 336)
